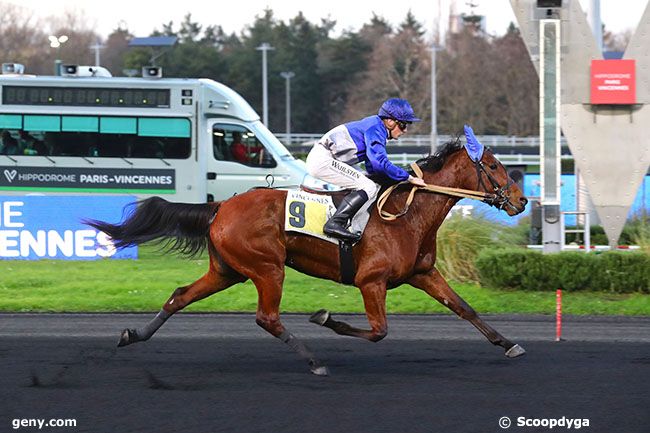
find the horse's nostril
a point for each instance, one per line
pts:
(524, 201)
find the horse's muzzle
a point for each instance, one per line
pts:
(523, 201)
(513, 209)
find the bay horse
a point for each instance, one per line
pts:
(246, 239)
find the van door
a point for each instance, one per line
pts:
(239, 160)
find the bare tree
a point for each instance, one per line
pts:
(466, 92)
(24, 39)
(116, 46)
(616, 41)
(399, 66)
(518, 88)
(81, 36)
(21, 37)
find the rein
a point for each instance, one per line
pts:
(499, 198)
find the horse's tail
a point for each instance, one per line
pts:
(180, 227)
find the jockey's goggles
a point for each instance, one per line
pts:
(402, 125)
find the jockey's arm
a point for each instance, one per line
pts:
(378, 158)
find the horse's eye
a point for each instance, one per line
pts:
(493, 166)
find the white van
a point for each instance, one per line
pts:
(188, 140)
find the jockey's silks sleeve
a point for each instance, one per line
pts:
(378, 162)
(363, 141)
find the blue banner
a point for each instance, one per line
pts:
(50, 227)
(568, 201)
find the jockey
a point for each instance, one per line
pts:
(332, 157)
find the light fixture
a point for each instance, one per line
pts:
(56, 41)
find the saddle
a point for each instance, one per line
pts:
(383, 182)
(336, 196)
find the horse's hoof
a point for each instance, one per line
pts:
(320, 317)
(515, 351)
(128, 336)
(320, 371)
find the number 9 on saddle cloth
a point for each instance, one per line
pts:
(307, 213)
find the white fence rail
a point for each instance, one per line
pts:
(424, 140)
(505, 158)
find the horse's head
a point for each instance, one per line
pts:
(492, 177)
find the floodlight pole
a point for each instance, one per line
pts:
(596, 23)
(434, 101)
(97, 47)
(288, 76)
(56, 42)
(264, 47)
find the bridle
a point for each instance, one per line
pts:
(499, 198)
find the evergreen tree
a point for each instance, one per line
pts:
(399, 66)
(115, 49)
(341, 63)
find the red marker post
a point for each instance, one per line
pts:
(558, 314)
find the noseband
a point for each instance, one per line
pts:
(500, 196)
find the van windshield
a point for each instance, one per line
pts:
(271, 141)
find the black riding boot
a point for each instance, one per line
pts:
(337, 224)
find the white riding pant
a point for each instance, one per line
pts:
(322, 165)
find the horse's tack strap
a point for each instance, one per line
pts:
(346, 262)
(457, 192)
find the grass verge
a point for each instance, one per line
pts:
(145, 284)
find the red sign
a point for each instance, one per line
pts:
(613, 82)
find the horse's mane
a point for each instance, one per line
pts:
(435, 162)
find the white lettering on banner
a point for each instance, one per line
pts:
(6, 243)
(20, 237)
(142, 180)
(84, 245)
(80, 243)
(465, 210)
(7, 213)
(93, 178)
(65, 243)
(41, 177)
(612, 75)
(38, 244)
(106, 246)
(621, 87)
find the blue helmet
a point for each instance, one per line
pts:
(398, 109)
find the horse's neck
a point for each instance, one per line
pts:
(434, 207)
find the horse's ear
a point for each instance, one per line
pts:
(473, 147)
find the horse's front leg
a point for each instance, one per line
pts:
(435, 286)
(374, 300)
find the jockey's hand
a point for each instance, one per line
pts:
(418, 181)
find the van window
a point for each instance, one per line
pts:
(238, 144)
(95, 136)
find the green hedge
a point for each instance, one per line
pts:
(620, 272)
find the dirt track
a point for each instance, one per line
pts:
(241, 380)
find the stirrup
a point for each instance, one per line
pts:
(342, 234)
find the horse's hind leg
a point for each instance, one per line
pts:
(269, 288)
(210, 283)
(374, 300)
(435, 285)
